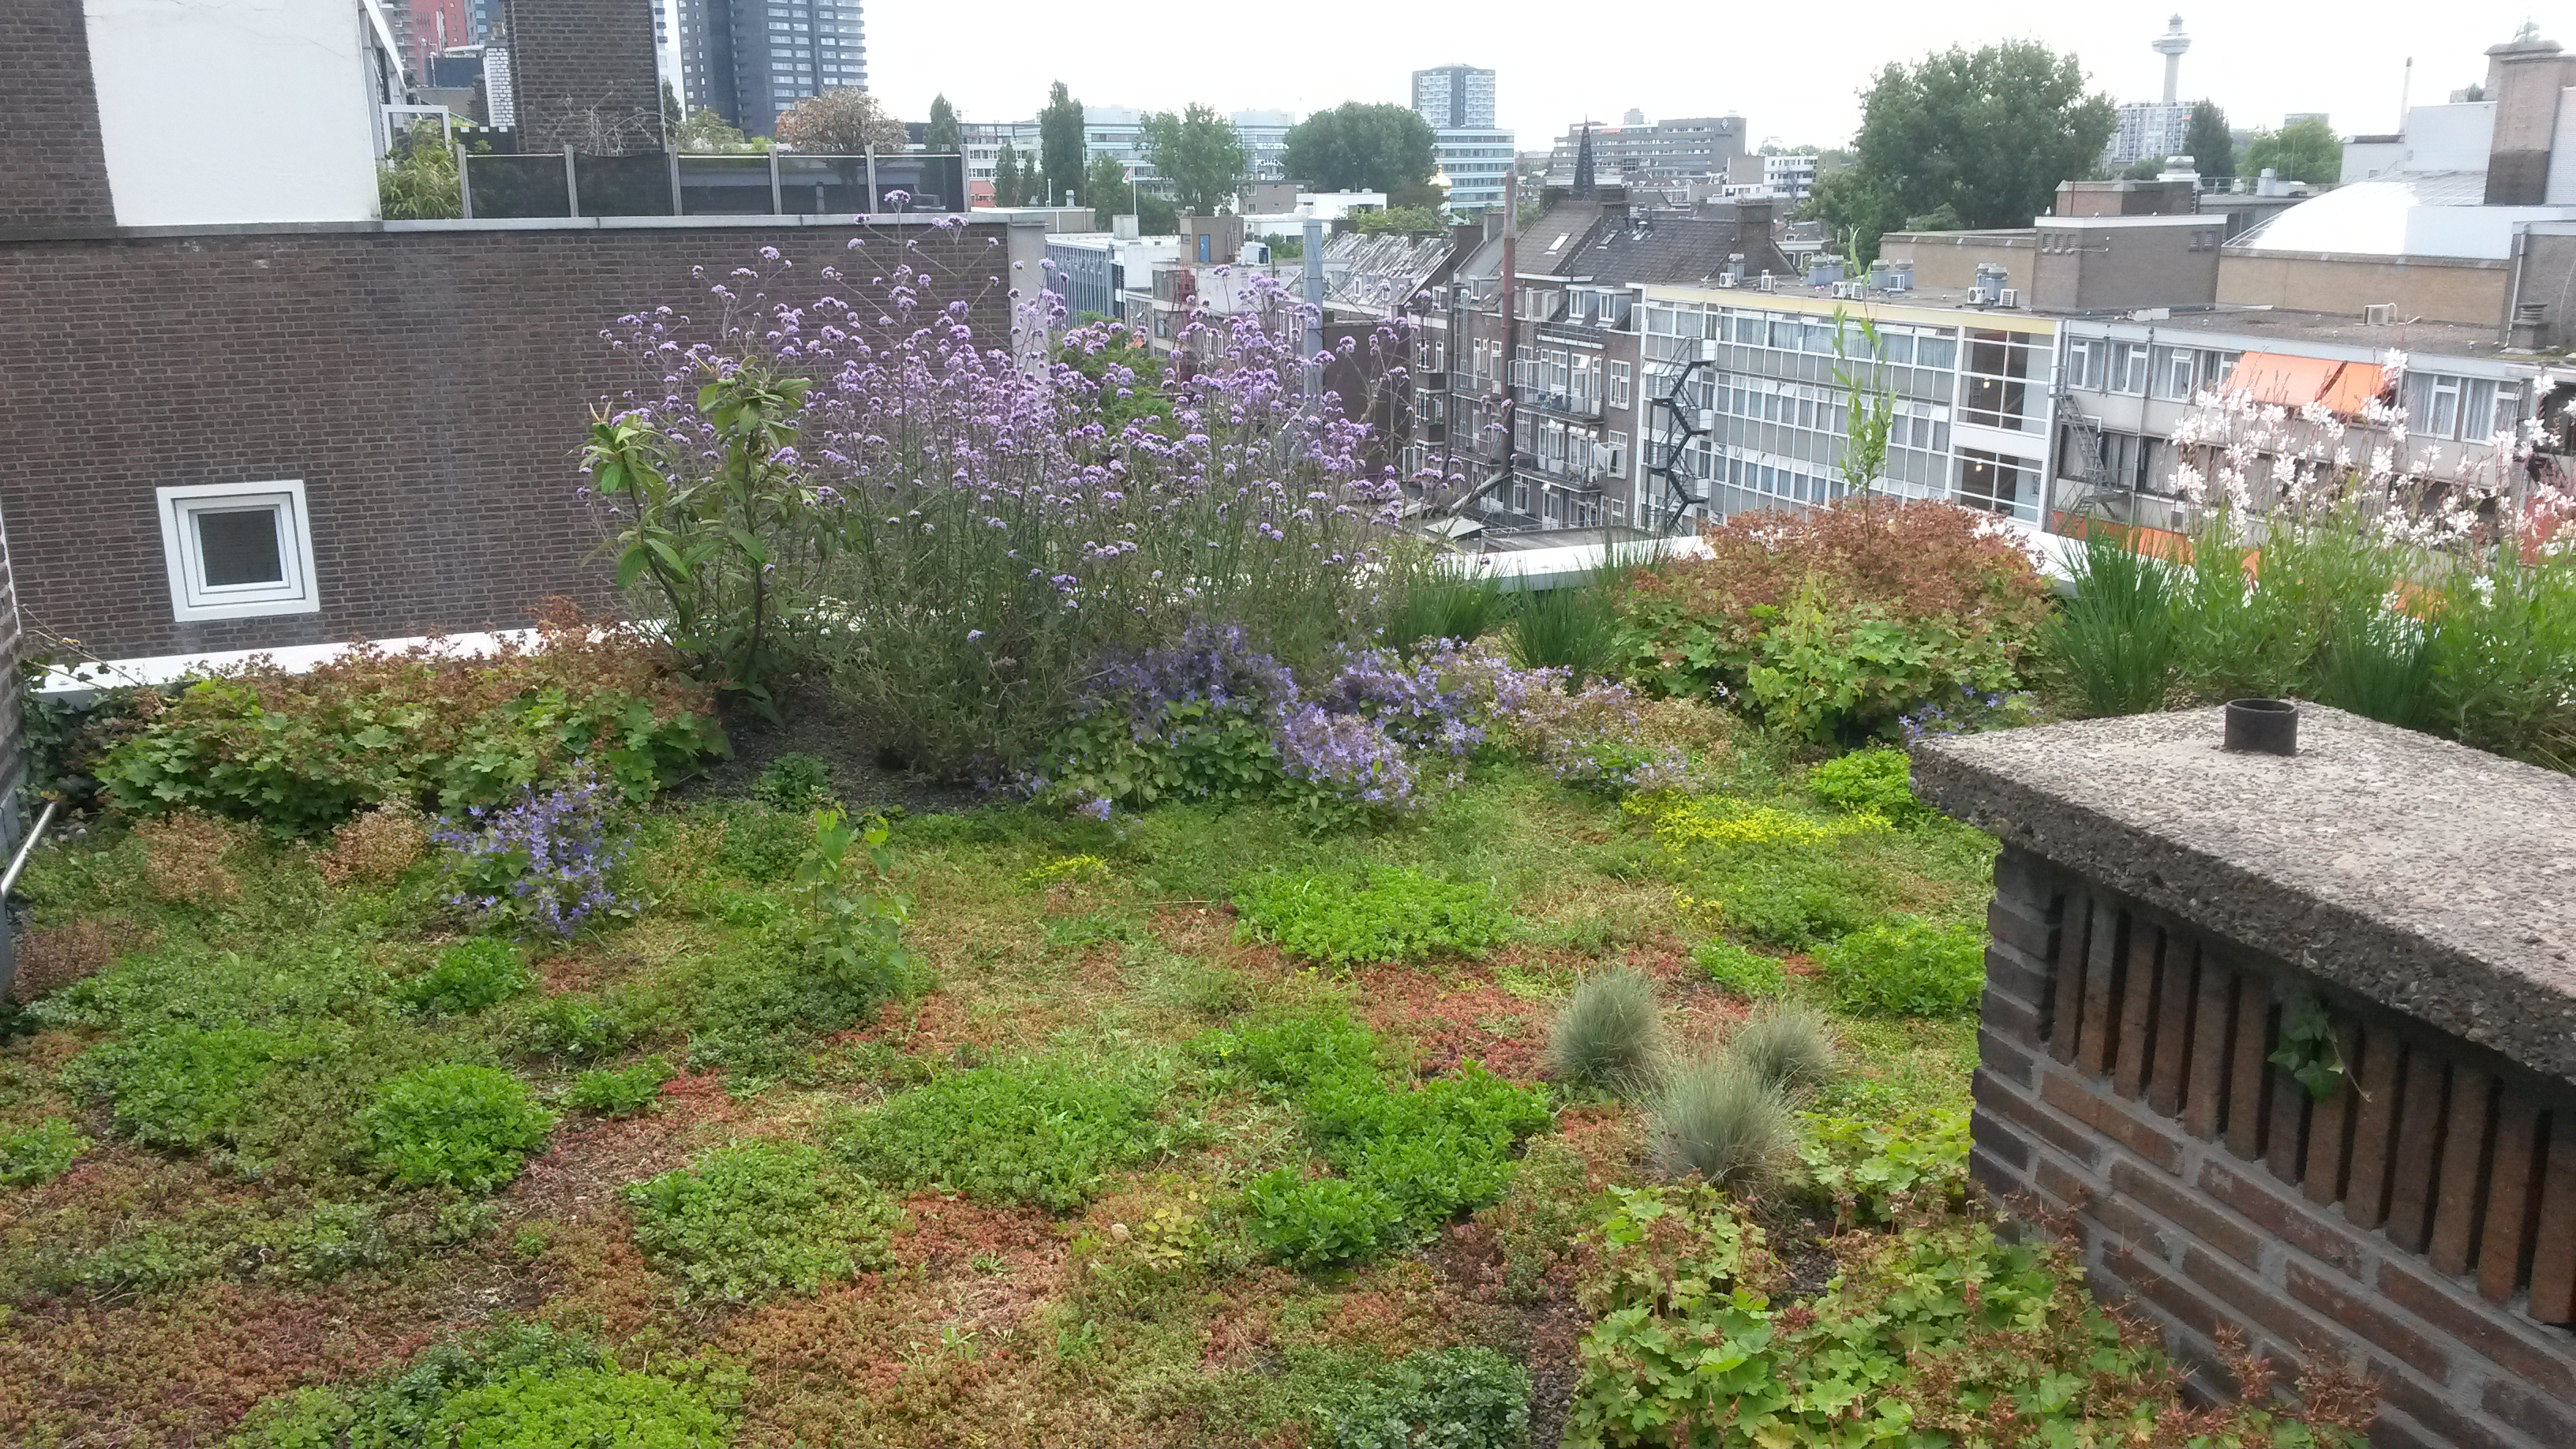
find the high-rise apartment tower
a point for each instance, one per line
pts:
(748, 60)
(1455, 97)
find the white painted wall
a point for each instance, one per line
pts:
(217, 111)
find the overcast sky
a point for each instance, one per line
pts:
(1792, 71)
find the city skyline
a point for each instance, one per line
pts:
(2258, 64)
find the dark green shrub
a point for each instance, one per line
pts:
(1908, 968)
(579, 1408)
(1870, 782)
(1459, 1398)
(1723, 1124)
(454, 1125)
(40, 1153)
(1792, 900)
(1042, 1132)
(1786, 1048)
(1386, 913)
(583, 1025)
(469, 976)
(1610, 1033)
(617, 1093)
(758, 1218)
(1317, 1222)
(1288, 1054)
(794, 782)
(1748, 974)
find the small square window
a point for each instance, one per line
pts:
(237, 550)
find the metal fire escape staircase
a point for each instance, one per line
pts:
(1676, 425)
(2090, 476)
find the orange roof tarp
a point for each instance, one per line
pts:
(2354, 388)
(2290, 382)
(2294, 382)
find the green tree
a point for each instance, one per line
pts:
(1156, 216)
(1966, 138)
(1105, 187)
(940, 136)
(704, 130)
(1199, 153)
(1357, 146)
(843, 121)
(2210, 145)
(1400, 218)
(1010, 184)
(1060, 150)
(2307, 151)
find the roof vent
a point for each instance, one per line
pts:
(2379, 314)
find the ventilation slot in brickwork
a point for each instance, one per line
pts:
(2456, 1161)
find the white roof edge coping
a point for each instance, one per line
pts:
(160, 669)
(712, 223)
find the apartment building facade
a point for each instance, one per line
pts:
(749, 60)
(1687, 148)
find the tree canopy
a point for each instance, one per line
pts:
(2306, 150)
(1966, 138)
(941, 134)
(1200, 153)
(1106, 191)
(704, 130)
(1358, 146)
(1010, 181)
(1060, 149)
(2208, 142)
(843, 121)
(1399, 218)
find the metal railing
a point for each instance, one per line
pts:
(662, 183)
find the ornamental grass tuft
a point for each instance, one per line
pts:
(1720, 1122)
(1610, 1034)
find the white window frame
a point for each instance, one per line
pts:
(1619, 383)
(191, 598)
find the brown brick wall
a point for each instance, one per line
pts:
(2419, 1224)
(53, 167)
(431, 388)
(583, 73)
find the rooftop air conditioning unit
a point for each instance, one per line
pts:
(1726, 279)
(1766, 283)
(2380, 314)
(2008, 297)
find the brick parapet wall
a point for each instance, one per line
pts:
(53, 164)
(431, 388)
(2418, 1225)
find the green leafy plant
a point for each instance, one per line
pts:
(620, 1092)
(764, 846)
(1316, 1222)
(1386, 913)
(520, 1386)
(1610, 1033)
(1745, 972)
(2308, 1045)
(1870, 782)
(469, 976)
(453, 1125)
(715, 551)
(1043, 1132)
(757, 1218)
(1788, 1048)
(1908, 968)
(187, 1087)
(1874, 1168)
(1467, 1397)
(794, 782)
(39, 1153)
(854, 915)
(1722, 1123)
(303, 751)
